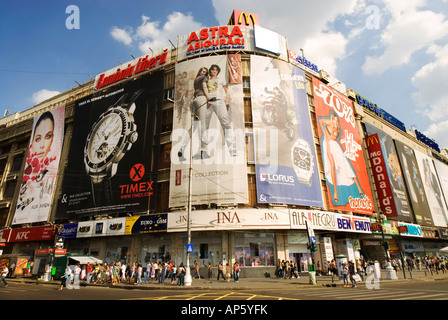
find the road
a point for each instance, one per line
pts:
(413, 290)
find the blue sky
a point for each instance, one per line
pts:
(393, 52)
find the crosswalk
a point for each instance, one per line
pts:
(372, 294)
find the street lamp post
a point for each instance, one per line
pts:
(390, 272)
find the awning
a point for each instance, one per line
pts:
(85, 259)
(444, 249)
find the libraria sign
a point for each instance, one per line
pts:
(132, 68)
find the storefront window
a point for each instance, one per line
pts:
(254, 249)
(155, 249)
(118, 250)
(207, 247)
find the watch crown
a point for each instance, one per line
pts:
(133, 137)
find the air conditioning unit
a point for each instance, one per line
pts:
(351, 94)
(324, 76)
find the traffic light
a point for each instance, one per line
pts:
(311, 246)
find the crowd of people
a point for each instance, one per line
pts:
(138, 274)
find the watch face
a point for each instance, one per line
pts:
(105, 139)
(302, 158)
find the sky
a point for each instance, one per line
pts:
(392, 52)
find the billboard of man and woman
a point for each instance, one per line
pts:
(214, 140)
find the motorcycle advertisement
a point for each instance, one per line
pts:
(214, 140)
(285, 159)
(345, 169)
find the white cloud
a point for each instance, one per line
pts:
(122, 35)
(43, 95)
(431, 95)
(151, 34)
(306, 24)
(410, 29)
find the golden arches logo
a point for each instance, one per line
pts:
(247, 16)
(373, 139)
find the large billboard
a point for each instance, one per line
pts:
(442, 173)
(394, 174)
(111, 165)
(344, 165)
(433, 190)
(285, 159)
(414, 184)
(218, 151)
(41, 168)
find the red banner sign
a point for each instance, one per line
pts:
(235, 68)
(29, 234)
(381, 177)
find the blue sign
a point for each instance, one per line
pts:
(189, 248)
(313, 240)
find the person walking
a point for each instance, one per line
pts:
(64, 278)
(236, 272)
(345, 274)
(3, 275)
(209, 270)
(181, 275)
(220, 270)
(352, 271)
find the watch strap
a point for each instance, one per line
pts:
(102, 193)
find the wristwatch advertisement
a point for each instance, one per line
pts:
(302, 159)
(112, 150)
(111, 136)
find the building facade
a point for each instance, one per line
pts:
(280, 155)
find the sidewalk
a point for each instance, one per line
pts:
(249, 283)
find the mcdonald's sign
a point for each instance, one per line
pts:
(381, 176)
(239, 17)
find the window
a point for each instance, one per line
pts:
(10, 187)
(254, 248)
(17, 163)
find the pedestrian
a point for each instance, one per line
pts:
(3, 274)
(181, 275)
(123, 272)
(352, 271)
(65, 278)
(77, 274)
(220, 270)
(139, 273)
(333, 269)
(345, 274)
(227, 272)
(236, 272)
(197, 274)
(209, 270)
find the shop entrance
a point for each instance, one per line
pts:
(302, 260)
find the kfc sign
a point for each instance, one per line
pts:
(29, 234)
(243, 18)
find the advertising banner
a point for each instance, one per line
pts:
(41, 168)
(110, 163)
(146, 224)
(285, 159)
(344, 165)
(442, 173)
(394, 173)
(380, 176)
(235, 219)
(327, 220)
(43, 233)
(235, 68)
(433, 191)
(230, 38)
(414, 184)
(218, 151)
